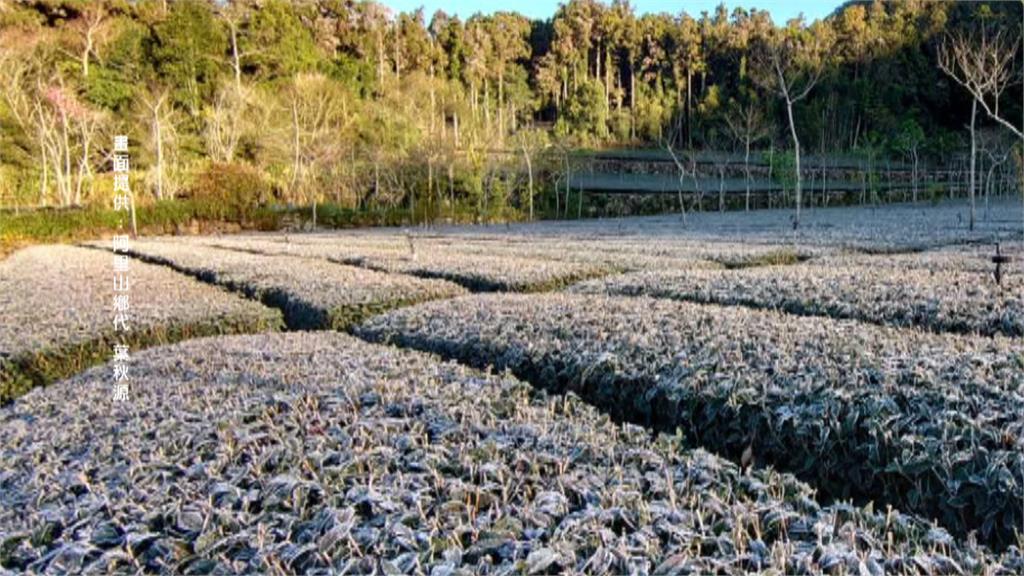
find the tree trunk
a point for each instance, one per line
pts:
(558, 200)
(44, 182)
(888, 178)
(456, 127)
(632, 99)
(914, 176)
(83, 164)
(746, 170)
(85, 54)
(501, 105)
(487, 106)
(135, 223)
(607, 76)
(158, 137)
(689, 102)
(430, 181)
(529, 173)
(682, 176)
(398, 56)
(451, 189)
(579, 203)
(433, 102)
(376, 177)
(69, 199)
(721, 188)
(988, 188)
(235, 60)
(974, 151)
(568, 175)
(380, 59)
(796, 157)
(295, 144)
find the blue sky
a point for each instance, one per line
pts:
(781, 10)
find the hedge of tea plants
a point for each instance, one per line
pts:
(939, 300)
(313, 452)
(58, 316)
(931, 424)
(476, 272)
(312, 293)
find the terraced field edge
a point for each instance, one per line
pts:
(918, 319)
(20, 374)
(480, 284)
(297, 314)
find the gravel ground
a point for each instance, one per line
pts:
(939, 300)
(58, 317)
(316, 453)
(312, 293)
(930, 423)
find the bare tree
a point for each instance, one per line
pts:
(982, 62)
(157, 116)
(789, 62)
(62, 129)
(226, 121)
(721, 163)
(997, 150)
(235, 14)
(532, 143)
(320, 121)
(971, 178)
(909, 140)
(91, 26)
(682, 176)
(748, 124)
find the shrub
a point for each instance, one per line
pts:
(229, 192)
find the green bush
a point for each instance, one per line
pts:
(229, 192)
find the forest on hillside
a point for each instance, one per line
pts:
(246, 103)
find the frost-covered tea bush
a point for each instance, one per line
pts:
(57, 307)
(477, 272)
(930, 423)
(483, 273)
(312, 293)
(971, 258)
(633, 254)
(883, 229)
(317, 453)
(938, 300)
(519, 263)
